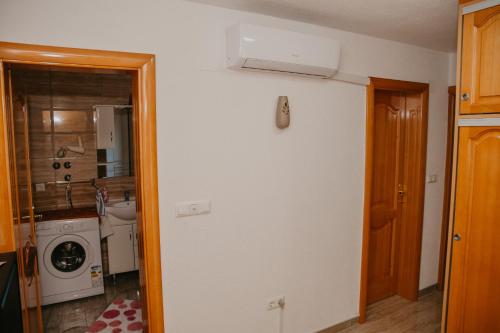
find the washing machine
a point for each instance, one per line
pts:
(69, 259)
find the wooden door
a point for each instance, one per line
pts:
(474, 287)
(22, 206)
(480, 82)
(388, 151)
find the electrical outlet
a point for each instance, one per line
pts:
(276, 303)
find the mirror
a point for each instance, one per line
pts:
(114, 141)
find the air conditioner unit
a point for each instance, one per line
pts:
(251, 47)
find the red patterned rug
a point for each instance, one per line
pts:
(122, 315)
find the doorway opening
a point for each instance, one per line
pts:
(396, 145)
(72, 141)
(79, 157)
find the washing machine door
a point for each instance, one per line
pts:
(68, 256)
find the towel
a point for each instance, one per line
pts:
(99, 198)
(105, 227)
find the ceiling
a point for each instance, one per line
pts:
(427, 23)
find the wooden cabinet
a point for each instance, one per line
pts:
(471, 300)
(480, 72)
(474, 291)
(121, 252)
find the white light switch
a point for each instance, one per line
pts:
(431, 179)
(190, 208)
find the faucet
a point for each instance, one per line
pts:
(126, 194)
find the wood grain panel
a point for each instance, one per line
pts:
(447, 187)
(410, 168)
(412, 203)
(481, 62)
(475, 271)
(384, 226)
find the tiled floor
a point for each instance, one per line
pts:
(398, 315)
(75, 316)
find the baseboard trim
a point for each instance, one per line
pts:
(427, 290)
(340, 326)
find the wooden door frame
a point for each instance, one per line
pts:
(142, 67)
(447, 187)
(403, 86)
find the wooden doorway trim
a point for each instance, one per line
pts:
(447, 187)
(412, 268)
(142, 67)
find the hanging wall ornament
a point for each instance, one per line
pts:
(283, 113)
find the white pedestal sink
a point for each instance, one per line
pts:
(123, 243)
(123, 210)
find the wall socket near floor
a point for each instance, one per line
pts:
(276, 303)
(40, 187)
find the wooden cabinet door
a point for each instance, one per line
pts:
(480, 82)
(121, 249)
(474, 294)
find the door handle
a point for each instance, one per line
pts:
(457, 237)
(401, 192)
(465, 96)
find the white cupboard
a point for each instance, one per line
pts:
(105, 124)
(123, 249)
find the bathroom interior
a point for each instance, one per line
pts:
(76, 126)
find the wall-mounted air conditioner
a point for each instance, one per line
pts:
(253, 47)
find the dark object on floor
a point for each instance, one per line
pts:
(10, 302)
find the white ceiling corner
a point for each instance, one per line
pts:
(427, 23)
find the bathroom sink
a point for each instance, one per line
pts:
(124, 210)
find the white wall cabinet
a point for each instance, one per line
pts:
(123, 249)
(105, 127)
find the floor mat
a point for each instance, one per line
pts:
(122, 315)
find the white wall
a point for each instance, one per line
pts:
(452, 68)
(287, 205)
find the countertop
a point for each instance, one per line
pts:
(68, 214)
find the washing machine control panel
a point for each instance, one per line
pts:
(69, 227)
(66, 227)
